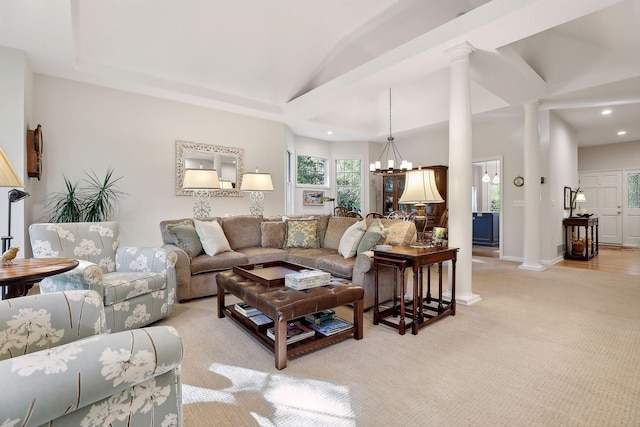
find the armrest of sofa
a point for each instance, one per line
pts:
(363, 264)
(38, 322)
(50, 383)
(183, 267)
(87, 275)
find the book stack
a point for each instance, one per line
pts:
(320, 316)
(296, 331)
(331, 326)
(246, 310)
(306, 279)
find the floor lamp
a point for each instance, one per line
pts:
(256, 183)
(420, 188)
(9, 178)
(200, 182)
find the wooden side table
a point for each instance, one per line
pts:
(27, 271)
(424, 310)
(582, 227)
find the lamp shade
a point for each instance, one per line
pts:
(255, 181)
(200, 179)
(420, 187)
(8, 175)
(580, 197)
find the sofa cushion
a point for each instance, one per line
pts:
(337, 265)
(335, 229)
(375, 235)
(186, 238)
(302, 233)
(351, 239)
(399, 232)
(242, 231)
(259, 255)
(224, 261)
(212, 237)
(274, 234)
(307, 257)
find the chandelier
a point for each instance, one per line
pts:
(390, 150)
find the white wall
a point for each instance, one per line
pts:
(15, 112)
(622, 156)
(87, 127)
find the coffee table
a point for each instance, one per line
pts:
(27, 271)
(283, 305)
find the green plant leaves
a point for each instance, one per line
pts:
(94, 202)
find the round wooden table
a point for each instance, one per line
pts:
(27, 271)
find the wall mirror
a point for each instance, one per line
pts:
(228, 161)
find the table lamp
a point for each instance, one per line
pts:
(256, 183)
(9, 178)
(200, 182)
(420, 188)
(578, 197)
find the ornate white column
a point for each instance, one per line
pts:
(460, 227)
(532, 190)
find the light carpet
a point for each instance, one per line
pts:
(559, 347)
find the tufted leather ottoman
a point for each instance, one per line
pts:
(284, 304)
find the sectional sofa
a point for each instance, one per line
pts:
(312, 241)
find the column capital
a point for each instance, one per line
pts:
(460, 51)
(532, 104)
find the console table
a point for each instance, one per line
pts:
(424, 310)
(582, 227)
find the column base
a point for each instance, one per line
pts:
(468, 299)
(538, 267)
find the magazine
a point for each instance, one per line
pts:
(296, 331)
(261, 319)
(246, 309)
(331, 326)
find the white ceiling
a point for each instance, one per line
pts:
(328, 65)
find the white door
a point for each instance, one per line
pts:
(603, 191)
(631, 217)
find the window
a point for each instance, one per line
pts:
(312, 171)
(349, 184)
(633, 193)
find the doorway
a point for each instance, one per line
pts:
(486, 207)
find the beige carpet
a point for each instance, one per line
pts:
(554, 348)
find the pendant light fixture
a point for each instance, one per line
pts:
(390, 149)
(485, 177)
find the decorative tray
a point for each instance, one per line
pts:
(270, 274)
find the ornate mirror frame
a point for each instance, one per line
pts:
(184, 148)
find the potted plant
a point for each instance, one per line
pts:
(94, 202)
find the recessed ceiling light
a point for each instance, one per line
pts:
(329, 132)
(606, 112)
(622, 132)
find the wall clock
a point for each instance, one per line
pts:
(35, 144)
(518, 181)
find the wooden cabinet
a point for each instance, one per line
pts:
(486, 228)
(393, 186)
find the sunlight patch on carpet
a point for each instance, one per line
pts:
(292, 400)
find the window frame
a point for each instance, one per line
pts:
(327, 172)
(361, 174)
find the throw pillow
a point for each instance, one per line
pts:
(376, 234)
(274, 234)
(212, 237)
(351, 239)
(186, 238)
(302, 233)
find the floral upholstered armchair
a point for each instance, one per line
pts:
(138, 285)
(60, 368)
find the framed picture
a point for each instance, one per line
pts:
(567, 197)
(312, 198)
